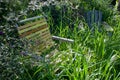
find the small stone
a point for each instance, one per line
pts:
(107, 27)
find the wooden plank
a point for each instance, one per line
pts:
(39, 48)
(62, 39)
(43, 48)
(32, 31)
(30, 19)
(42, 36)
(89, 19)
(37, 41)
(30, 24)
(36, 33)
(31, 28)
(43, 40)
(100, 18)
(94, 17)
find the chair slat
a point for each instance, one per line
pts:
(33, 31)
(31, 24)
(32, 27)
(94, 17)
(38, 33)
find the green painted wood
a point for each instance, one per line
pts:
(94, 17)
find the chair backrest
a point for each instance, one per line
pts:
(93, 17)
(37, 32)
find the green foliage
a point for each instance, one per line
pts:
(12, 62)
(88, 58)
(9, 16)
(93, 56)
(62, 13)
(102, 5)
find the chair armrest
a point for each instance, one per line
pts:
(62, 39)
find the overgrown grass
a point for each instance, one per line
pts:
(89, 58)
(93, 56)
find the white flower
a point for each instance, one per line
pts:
(113, 58)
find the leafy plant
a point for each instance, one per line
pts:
(93, 56)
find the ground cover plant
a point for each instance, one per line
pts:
(95, 55)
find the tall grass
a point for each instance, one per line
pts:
(90, 57)
(93, 56)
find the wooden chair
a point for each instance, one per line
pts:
(94, 17)
(38, 33)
